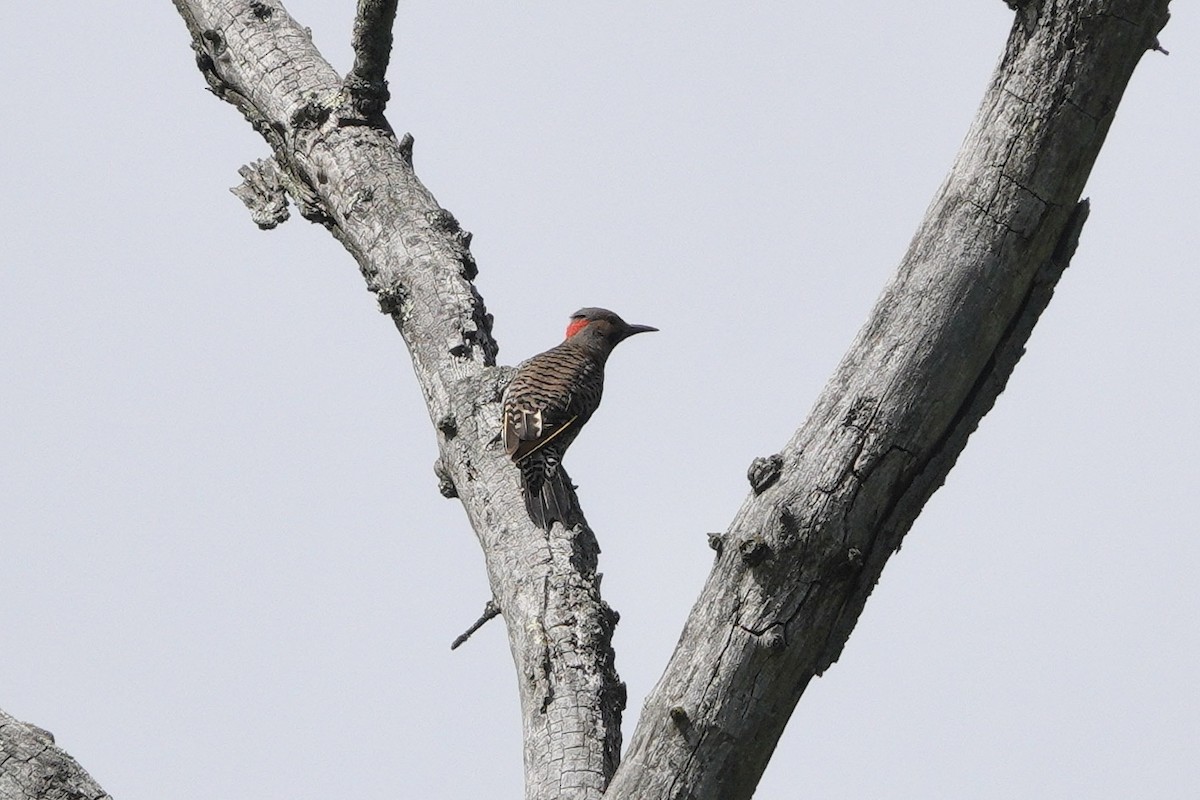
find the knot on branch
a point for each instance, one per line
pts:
(1028, 12)
(445, 483)
(584, 549)
(608, 615)
(391, 298)
(44, 735)
(773, 639)
(406, 148)
(214, 42)
(861, 412)
(789, 528)
(763, 472)
(477, 333)
(443, 221)
(717, 542)
(482, 335)
(843, 565)
(754, 551)
(368, 97)
(262, 192)
(311, 114)
(308, 202)
(261, 10)
(470, 269)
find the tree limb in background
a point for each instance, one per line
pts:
(32, 766)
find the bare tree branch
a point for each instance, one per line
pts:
(358, 181)
(372, 48)
(795, 568)
(490, 612)
(32, 766)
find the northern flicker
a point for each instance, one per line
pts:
(551, 397)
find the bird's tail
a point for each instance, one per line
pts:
(550, 498)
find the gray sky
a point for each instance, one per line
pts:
(228, 573)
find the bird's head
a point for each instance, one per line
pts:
(599, 327)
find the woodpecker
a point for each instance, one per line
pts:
(551, 397)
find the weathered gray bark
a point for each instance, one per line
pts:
(31, 766)
(348, 171)
(796, 566)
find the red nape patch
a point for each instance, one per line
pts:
(576, 326)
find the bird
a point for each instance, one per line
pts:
(548, 401)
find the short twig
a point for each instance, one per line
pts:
(262, 192)
(372, 42)
(492, 609)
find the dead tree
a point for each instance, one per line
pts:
(795, 567)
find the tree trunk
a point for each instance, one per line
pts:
(795, 568)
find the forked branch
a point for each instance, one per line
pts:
(358, 181)
(372, 43)
(795, 568)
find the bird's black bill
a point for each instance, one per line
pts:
(630, 330)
